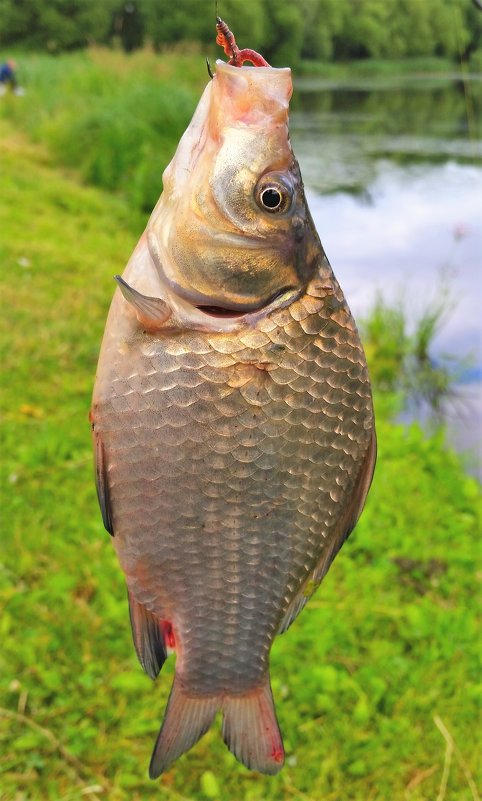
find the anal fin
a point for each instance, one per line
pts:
(148, 636)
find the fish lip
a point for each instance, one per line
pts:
(225, 66)
(219, 311)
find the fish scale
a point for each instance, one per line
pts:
(295, 483)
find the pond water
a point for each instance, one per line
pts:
(393, 173)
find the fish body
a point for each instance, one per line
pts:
(232, 417)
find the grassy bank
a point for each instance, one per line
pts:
(378, 683)
(114, 119)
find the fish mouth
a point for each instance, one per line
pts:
(219, 311)
(238, 311)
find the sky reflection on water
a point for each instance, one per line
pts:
(415, 231)
(417, 234)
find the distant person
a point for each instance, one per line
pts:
(8, 77)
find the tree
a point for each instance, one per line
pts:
(322, 23)
(284, 33)
(173, 21)
(55, 24)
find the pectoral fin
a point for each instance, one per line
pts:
(152, 313)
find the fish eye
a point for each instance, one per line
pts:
(271, 198)
(274, 195)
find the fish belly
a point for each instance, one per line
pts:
(230, 458)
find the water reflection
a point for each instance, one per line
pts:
(393, 172)
(343, 130)
(414, 229)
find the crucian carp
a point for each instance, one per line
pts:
(232, 415)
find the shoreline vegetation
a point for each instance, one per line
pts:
(285, 33)
(380, 67)
(377, 686)
(116, 119)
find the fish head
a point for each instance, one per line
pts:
(232, 231)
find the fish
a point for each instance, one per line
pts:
(232, 417)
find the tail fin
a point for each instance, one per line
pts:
(250, 728)
(185, 722)
(251, 731)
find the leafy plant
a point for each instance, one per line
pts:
(399, 352)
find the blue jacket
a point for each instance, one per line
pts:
(6, 73)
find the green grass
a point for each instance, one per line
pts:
(377, 684)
